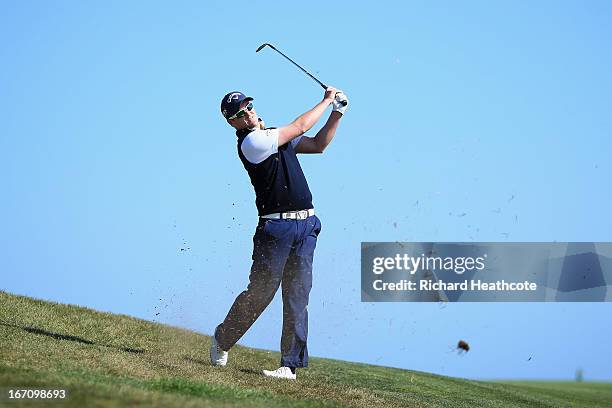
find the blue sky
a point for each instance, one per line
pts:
(122, 190)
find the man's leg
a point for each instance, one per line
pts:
(297, 282)
(271, 246)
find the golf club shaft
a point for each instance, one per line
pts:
(297, 65)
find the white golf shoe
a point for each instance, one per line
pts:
(218, 357)
(282, 372)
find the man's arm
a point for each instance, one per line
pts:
(323, 137)
(307, 120)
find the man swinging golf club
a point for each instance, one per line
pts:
(286, 235)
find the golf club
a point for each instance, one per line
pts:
(262, 46)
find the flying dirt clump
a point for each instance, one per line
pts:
(463, 347)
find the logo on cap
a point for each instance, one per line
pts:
(230, 103)
(235, 95)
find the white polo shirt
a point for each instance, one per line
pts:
(261, 144)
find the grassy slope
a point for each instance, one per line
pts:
(111, 360)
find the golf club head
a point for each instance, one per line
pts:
(262, 46)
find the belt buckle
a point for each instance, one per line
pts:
(303, 214)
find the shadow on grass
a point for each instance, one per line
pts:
(251, 371)
(196, 361)
(58, 336)
(208, 364)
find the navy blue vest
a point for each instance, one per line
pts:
(279, 181)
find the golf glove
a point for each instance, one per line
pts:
(337, 103)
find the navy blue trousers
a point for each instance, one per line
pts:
(282, 254)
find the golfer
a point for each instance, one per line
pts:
(286, 235)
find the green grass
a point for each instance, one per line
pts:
(107, 360)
